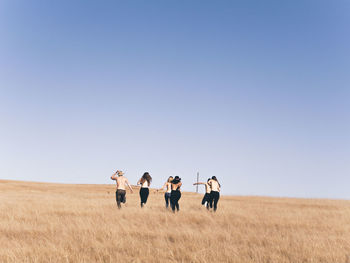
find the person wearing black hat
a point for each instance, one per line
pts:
(175, 193)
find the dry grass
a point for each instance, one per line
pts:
(80, 223)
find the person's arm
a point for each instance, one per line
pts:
(160, 189)
(177, 185)
(139, 182)
(198, 183)
(113, 177)
(163, 186)
(127, 182)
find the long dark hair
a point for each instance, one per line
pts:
(214, 178)
(146, 177)
(176, 180)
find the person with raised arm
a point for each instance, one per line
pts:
(206, 197)
(167, 194)
(175, 193)
(122, 182)
(215, 192)
(145, 182)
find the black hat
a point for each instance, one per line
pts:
(176, 180)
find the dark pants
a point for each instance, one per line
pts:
(174, 200)
(144, 192)
(214, 197)
(206, 199)
(167, 199)
(120, 197)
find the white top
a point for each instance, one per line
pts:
(168, 187)
(145, 184)
(214, 185)
(207, 188)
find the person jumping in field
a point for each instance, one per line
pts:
(167, 194)
(175, 193)
(145, 182)
(206, 197)
(121, 182)
(215, 192)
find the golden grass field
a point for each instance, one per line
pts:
(43, 222)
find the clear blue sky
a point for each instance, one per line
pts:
(256, 93)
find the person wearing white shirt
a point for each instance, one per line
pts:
(145, 182)
(215, 192)
(167, 194)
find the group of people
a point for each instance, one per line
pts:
(172, 194)
(212, 193)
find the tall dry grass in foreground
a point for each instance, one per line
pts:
(80, 223)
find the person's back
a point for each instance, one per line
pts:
(145, 184)
(122, 181)
(168, 187)
(207, 188)
(176, 186)
(215, 186)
